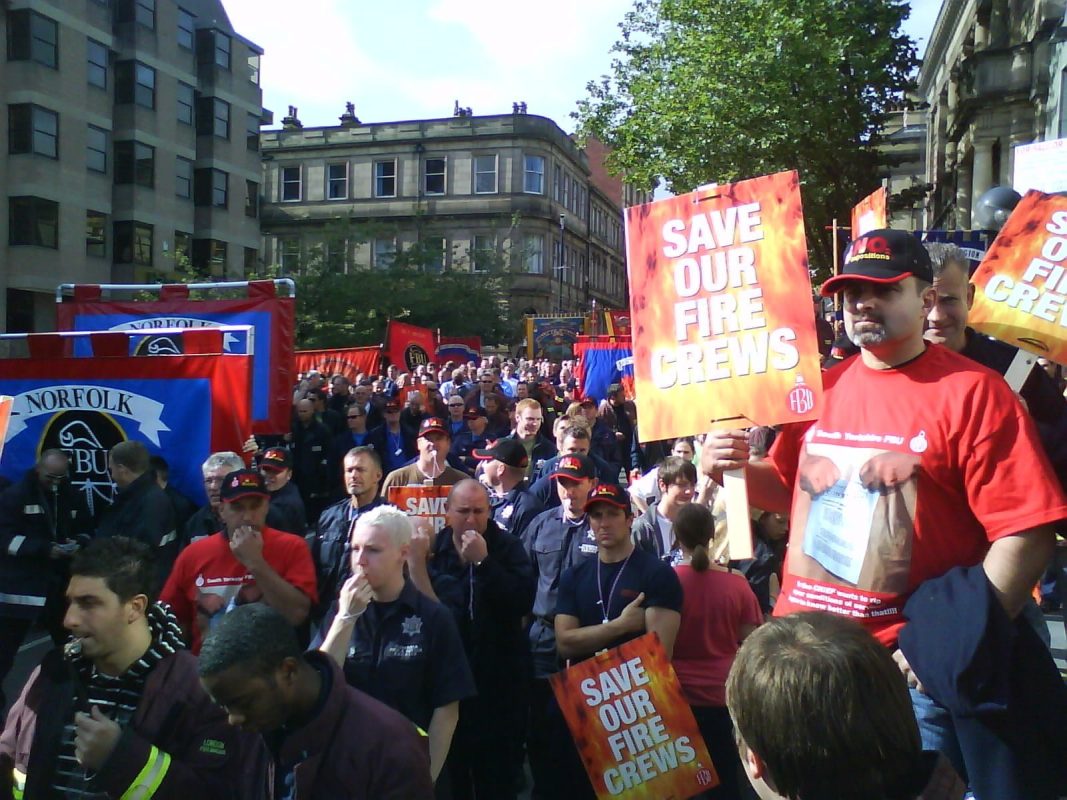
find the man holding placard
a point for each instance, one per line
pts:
(921, 461)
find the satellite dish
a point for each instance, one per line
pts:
(994, 207)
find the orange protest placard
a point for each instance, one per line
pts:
(1020, 292)
(425, 502)
(634, 731)
(5, 417)
(869, 214)
(721, 307)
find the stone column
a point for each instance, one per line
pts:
(963, 194)
(982, 171)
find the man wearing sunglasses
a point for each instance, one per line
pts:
(43, 522)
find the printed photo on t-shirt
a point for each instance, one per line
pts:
(854, 516)
(218, 596)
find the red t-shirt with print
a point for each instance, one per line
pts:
(208, 581)
(907, 473)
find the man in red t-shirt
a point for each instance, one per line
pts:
(921, 460)
(246, 562)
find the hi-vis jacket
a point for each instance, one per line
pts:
(177, 746)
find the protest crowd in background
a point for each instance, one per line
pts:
(300, 636)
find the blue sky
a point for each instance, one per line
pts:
(412, 59)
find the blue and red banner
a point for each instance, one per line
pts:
(408, 346)
(459, 348)
(270, 316)
(604, 360)
(183, 407)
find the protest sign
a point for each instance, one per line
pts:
(553, 336)
(409, 346)
(1021, 287)
(5, 416)
(634, 731)
(869, 214)
(723, 321)
(424, 502)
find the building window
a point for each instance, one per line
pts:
(253, 67)
(337, 181)
(334, 252)
(183, 178)
(251, 199)
(222, 50)
(288, 253)
(186, 23)
(133, 243)
(213, 117)
(383, 254)
(436, 248)
(135, 83)
(566, 190)
(435, 176)
(32, 129)
(534, 251)
(95, 236)
(252, 132)
(32, 37)
(483, 253)
(290, 184)
(557, 183)
(183, 243)
(533, 175)
(135, 163)
(96, 149)
(33, 221)
(143, 12)
(211, 187)
(385, 178)
(96, 63)
(209, 255)
(186, 99)
(485, 174)
(251, 262)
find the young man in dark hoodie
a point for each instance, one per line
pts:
(325, 738)
(125, 715)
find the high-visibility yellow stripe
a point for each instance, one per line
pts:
(20, 784)
(150, 778)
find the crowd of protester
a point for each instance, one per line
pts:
(300, 637)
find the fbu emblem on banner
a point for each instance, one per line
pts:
(801, 398)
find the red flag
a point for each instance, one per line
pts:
(459, 348)
(407, 346)
(347, 361)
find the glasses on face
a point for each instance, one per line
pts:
(455, 405)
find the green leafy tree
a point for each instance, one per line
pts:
(719, 90)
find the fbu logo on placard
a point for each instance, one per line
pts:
(801, 399)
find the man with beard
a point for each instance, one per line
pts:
(125, 716)
(247, 562)
(922, 478)
(361, 475)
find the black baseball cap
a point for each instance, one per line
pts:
(276, 459)
(575, 466)
(506, 451)
(609, 493)
(242, 483)
(882, 256)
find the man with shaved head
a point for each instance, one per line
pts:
(314, 466)
(483, 576)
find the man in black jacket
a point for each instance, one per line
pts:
(313, 464)
(483, 576)
(43, 521)
(141, 510)
(276, 467)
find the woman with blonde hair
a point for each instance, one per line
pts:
(718, 612)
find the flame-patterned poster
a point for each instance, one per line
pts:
(634, 731)
(1021, 286)
(721, 308)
